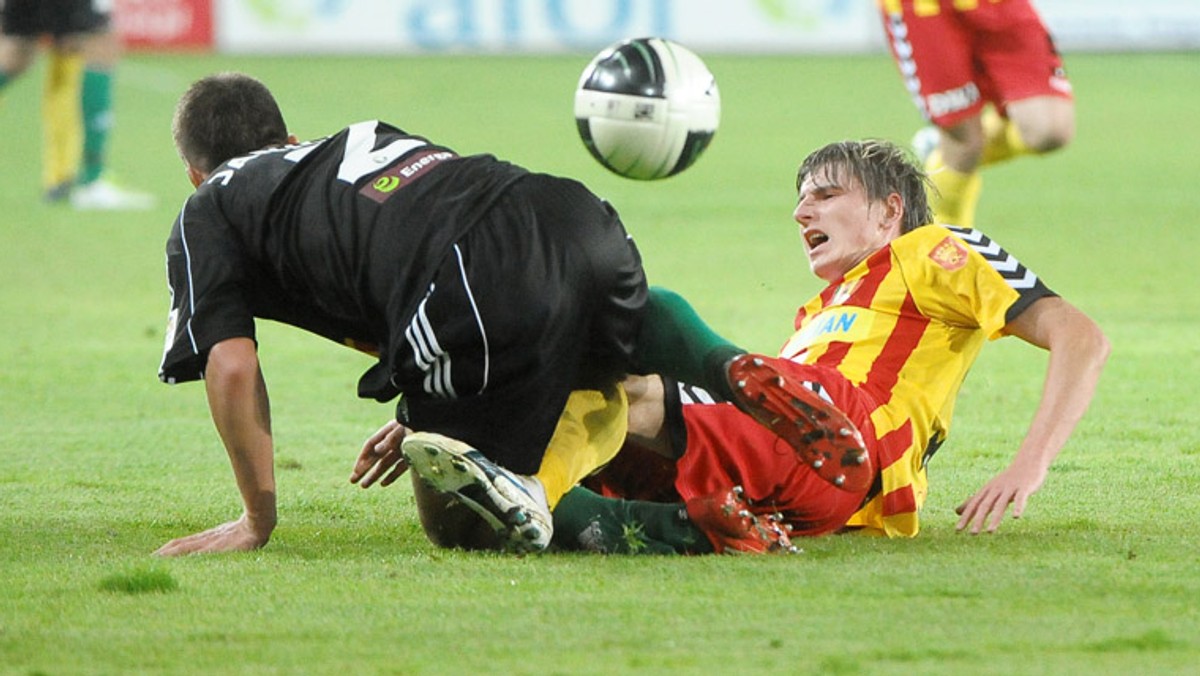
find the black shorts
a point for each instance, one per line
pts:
(543, 297)
(34, 18)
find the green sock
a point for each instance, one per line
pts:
(4, 80)
(97, 122)
(675, 342)
(584, 520)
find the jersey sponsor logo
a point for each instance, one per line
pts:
(842, 324)
(395, 178)
(949, 254)
(386, 183)
(952, 100)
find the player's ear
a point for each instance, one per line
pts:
(195, 176)
(893, 212)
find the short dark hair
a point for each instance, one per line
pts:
(882, 168)
(224, 116)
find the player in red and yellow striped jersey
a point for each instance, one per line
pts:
(986, 74)
(904, 316)
(889, 341)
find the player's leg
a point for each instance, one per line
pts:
(101, 51)
(94, 190)
(62, 122)
(1032, 126)
(953, 169)
(16, 55)
(454, 514)
(512, 334)
(587, 521)
(482, 393)
(20, 28)
(513, 505)
(449, 523)
(825, 438)
(676, 342)
(718, 523)
(1035, 110)
(933, 52)
(589, 434)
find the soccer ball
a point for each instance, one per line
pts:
(647, 108)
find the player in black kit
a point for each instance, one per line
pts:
(492, 296)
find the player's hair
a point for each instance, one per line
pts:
(882, 168)
(224, 116)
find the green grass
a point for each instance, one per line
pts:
(100, 464)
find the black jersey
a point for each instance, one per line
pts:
(337, 236)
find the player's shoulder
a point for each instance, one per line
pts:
(945, 246)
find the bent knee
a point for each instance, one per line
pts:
(1045, 124)
(1048, 138)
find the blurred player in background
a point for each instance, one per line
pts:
(987, 75)
(77, 110)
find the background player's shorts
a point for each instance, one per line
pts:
(543, 297)
(721, 447)
(33, 18)
(955, 61)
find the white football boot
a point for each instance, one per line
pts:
(925, 141)
(513, 504)
(104, 195)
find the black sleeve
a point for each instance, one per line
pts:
(207, 279)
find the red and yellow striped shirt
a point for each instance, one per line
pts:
(905, 325)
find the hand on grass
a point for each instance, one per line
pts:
(235, 536)
(379, 454)
(986, 508)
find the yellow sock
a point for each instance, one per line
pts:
(1002, 139)
(589, 434)
(62, 119)
(956, 195)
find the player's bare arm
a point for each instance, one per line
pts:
(379, 455)
(1078, 350)
(237, 399)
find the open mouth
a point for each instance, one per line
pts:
(815, 238)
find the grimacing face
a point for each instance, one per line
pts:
(840, 228)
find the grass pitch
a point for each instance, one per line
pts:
(100, 464)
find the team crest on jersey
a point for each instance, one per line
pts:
(949, 254)
(387, 182)
(843, 292)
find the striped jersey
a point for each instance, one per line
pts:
(904, 326)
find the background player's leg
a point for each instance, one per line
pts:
(62, 124)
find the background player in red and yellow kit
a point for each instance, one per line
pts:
(987, 75)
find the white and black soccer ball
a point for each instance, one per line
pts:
(647, 108)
